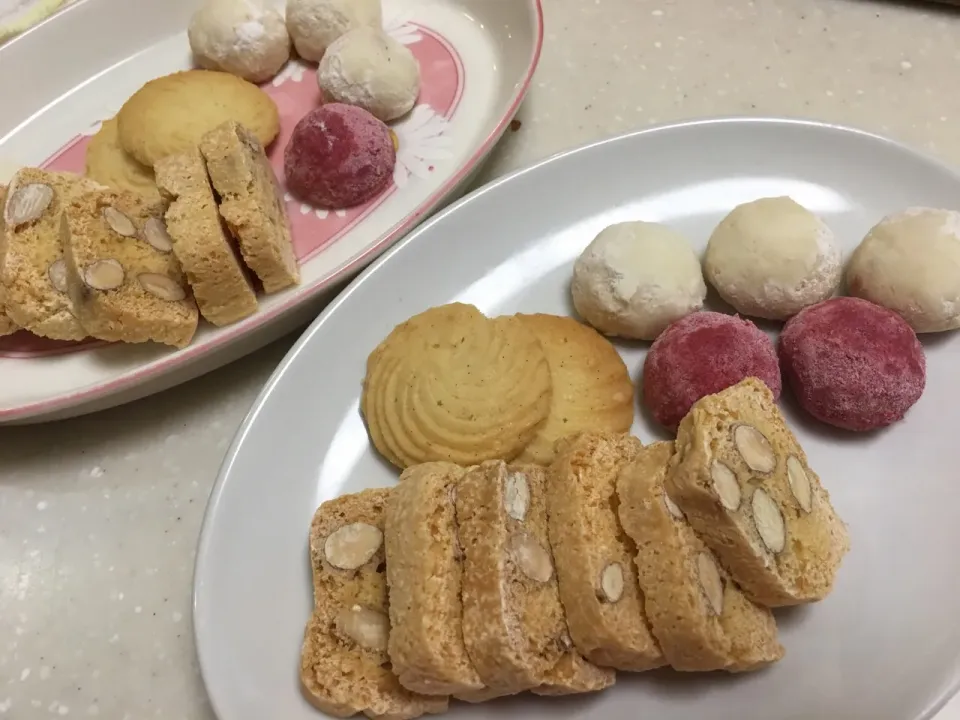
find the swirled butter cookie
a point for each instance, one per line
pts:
(109, 164)
(451, 384)
(591, 385)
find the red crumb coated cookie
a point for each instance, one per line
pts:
(338, 156)
(853, 364)
(702, 354)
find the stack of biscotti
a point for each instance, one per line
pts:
(78, 259)
(226, 217)
(441, 586)
(728, 522)
(481, 582)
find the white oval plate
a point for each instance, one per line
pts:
(476, 59)
(884, 645)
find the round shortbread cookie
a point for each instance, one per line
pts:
(108, 163)
(171, 114)
(591, 385)
(451, 384)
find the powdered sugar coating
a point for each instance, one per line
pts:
(909, 262)
(241, 37)
(772, 257)
(853, 364)
(702, 354)
(369, 69)
(315, 24)
(338, 156)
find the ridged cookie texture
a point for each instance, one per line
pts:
(513, 623)
(424, 574)
(745, 485)
(699, 616)
(594, 556)
(591, 386)
(451, 384)
(344, 665)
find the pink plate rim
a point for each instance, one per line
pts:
(183, 357)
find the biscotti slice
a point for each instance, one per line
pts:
(219, 282)
(513, 623)
(574, 674)
(344, 666)
(594, 557)
(7, 325)
(423, 577)
(699, 616)
(123, 280)
(32, 273)
(743, 482)
(252, 203)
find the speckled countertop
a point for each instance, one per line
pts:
(99, 515)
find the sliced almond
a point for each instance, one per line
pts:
(161, 286)
(611, 582)
(799, 483)
(710, 581)
(26, 203)
(57, 273)
(156, 235)
(726, 485)
(104, 274)
(755, 449)
(516, 496)
(769, 521)
(119, 223)
(352, 545)
(531, 558)
(368, 628)
(672, 507)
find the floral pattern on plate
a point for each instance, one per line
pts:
(422, 140)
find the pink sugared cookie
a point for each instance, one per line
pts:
(338, 156)
(702, 354)
(853, 364)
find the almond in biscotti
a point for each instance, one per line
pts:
(746, 486)
(513, 622)
(701, 619)
(124, 284)
(592, 555)
(33, 272)
(344, 661)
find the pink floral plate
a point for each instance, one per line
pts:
(476, 59)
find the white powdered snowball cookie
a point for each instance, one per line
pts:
(241, 37)
(636, 278)
(771, 258)
(369, 69)
(314, 25)
(910, 263)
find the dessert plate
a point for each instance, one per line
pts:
(885, 644)
(476, 59)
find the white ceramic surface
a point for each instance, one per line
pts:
(885, 644)
(494, 47)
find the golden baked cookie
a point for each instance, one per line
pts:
(451, 384)
(591, 385)
(171, 114)
(108, 163)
